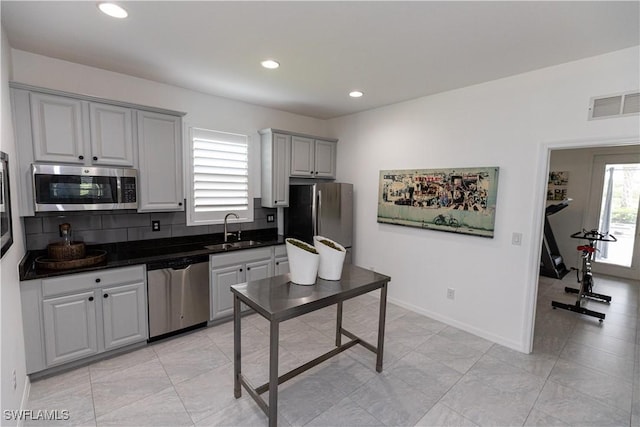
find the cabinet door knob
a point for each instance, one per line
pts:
(248, 268)
(90, 298)
(277, 263)
(311, 172)
(275, 202)
(240, 269)
(179, 203)
(95, 158)
(106, 295)
(81, 157)
(98, 280)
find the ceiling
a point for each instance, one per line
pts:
(392, 51)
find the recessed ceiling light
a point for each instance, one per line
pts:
(270, 64)
(113, 10)
(355, 94)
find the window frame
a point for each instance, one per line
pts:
(213, 218)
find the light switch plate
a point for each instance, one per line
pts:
(516, 239)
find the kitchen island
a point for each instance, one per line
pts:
(278, 299)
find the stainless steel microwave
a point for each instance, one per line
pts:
(79, 188)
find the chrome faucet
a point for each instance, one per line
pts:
(225, 225)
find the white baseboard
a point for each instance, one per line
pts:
(460, 325)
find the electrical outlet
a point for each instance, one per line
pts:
(14, 379)
(155, 225)
(271, 218)
(451, 293)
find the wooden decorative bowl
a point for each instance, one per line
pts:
(91, 258)
(60, 252)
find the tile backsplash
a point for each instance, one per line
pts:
(122, 226)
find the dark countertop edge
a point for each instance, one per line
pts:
(123, 254)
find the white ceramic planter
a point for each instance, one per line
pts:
(303, 265)
(331, 260)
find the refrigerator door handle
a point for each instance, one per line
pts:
(317, 212)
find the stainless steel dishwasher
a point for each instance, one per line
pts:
(178, 294)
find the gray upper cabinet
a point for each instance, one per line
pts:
(276, 153)
(160, 160)
(60, 125)
(289, 155)
(58, 129)
(325, 159)
(313, 158)
(302, 155)
(111, 135)
(66, 128)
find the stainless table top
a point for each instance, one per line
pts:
(277, 299)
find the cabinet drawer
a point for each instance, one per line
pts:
(94, 279)
(241, 257)
(280, 250)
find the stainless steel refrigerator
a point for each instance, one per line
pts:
(324, 209)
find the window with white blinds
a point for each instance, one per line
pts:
(219, 181)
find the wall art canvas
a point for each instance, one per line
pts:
(458, 200)
(557, 185)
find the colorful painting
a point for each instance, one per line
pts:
(460, 200)
(557, 185)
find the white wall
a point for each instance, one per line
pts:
(12, 356)
(508, 123)
(205, 111)
(579, 163)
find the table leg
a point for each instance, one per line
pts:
(381, 322)
(339, 325)
(273, 373)
(237, 389)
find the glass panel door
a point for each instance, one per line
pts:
(613, 208)
(619, 212)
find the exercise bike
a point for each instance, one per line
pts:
(586, 280)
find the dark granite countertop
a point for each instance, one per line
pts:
(149, 251)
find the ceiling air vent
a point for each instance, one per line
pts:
(620, 105)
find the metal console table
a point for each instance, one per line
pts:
(277, 299)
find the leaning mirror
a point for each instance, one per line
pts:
(5, 204)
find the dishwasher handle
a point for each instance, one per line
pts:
(178, 264)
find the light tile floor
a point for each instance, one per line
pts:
(580, 373)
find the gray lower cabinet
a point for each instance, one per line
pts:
(233, 268)
(70, 330)
(124, 315)
(221, 279)
(74, 316)
(281, 262)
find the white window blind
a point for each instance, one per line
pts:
(219, 177)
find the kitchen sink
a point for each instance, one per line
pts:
(232, 245)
